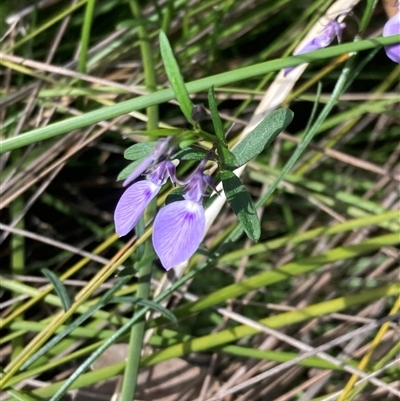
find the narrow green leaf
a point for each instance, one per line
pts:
(216, 119)
(149, 258)
(18, 396)
(189, 154)
(175, 77)
(76, 323)
(141, 102)
(234, 334)
(262, 136)
(279, 356)
(133, 23)
(242, 204)
(185, 143)
(59, 288)
(227, 157)
(175, 195)
(128, 169)
(128, 271)
(157, 132)
(85, 35)
(146, 302)
(139, 150)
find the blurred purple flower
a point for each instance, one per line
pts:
(179, 226)
(324, 39)
(392, 27)
(135, 199)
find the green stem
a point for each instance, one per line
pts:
(85, 36)
(143, 292)
(17, 257)
(169, 12)
(371, 4)
(136, 338)
(16, 208)
(137, 330)
(148, 64)
(151, 99)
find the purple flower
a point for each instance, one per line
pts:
(324, 39)
(392, 27)
(179, 227)
(135, 199)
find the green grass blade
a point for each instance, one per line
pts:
(175, 77)
(109, 112)
(59, 288)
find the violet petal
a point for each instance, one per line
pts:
(324, 39)
(161, 172)
(139, 170)
(309, 47)
(159, 150)
(161, 147)
(177, 232)
(338, 31)
(132, 205)
(392, 27)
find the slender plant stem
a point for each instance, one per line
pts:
(371, 4)
(138, 103)
(85, 36)
(148, 64)
(136, 337)
(17, 255)
(143, 292)
(166, 22)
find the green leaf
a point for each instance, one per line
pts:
(76, 323)
(139, 150)
(262, 136)
(59, 288)
(242, 204)
(175, 77)
(227, 157)
(157, 132)
(175, 195)
(185, 143)
(146, 302)
(133, 23)
(128, 169)
(189, 154)
(149, 258)
(216, 119)
(18, 396)
(127, 271)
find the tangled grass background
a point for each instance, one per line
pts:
(309, 312)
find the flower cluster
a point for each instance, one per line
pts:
(179, 226)
(392, 27)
